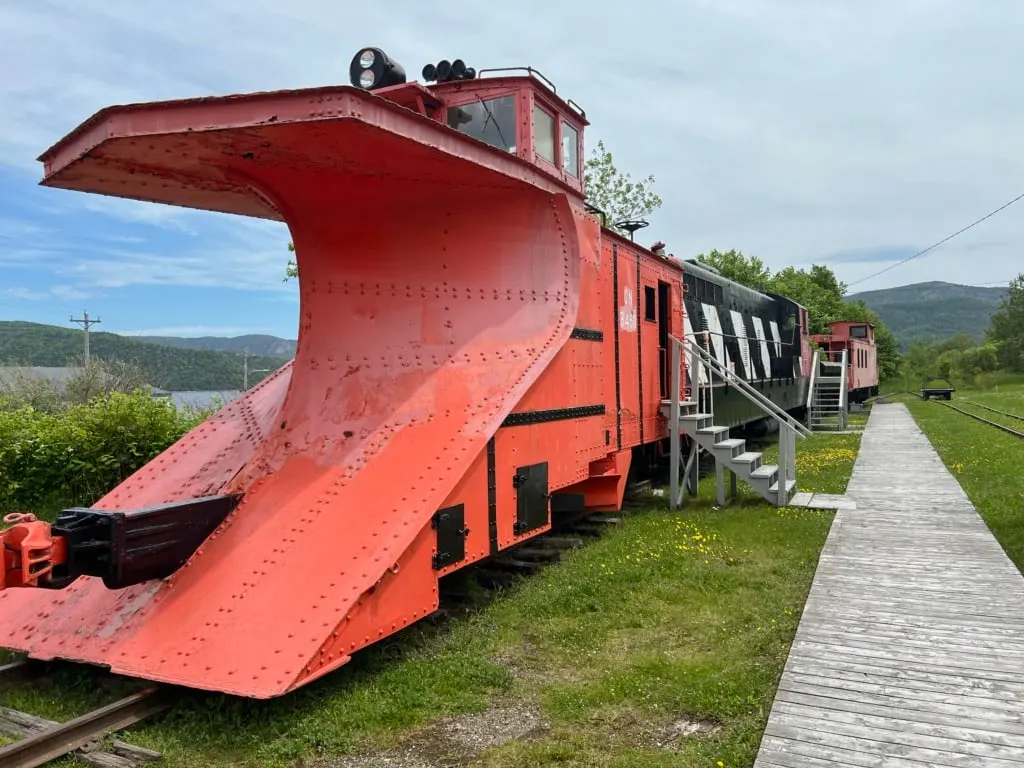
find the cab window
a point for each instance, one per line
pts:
(490, 120)
(570, 150)
(544, 133)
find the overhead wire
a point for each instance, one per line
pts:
(940, 242)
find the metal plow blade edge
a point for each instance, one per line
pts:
(438, 278)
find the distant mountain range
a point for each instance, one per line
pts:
(933, 311)
(257, 344)
(921, 312)
(172, 367)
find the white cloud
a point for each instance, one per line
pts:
(788, 129)
(59, 292)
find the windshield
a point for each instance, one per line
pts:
(490, 120)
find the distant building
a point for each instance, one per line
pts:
(13, 375)
(10, 375)
(198, 398)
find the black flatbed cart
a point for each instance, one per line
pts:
(932, 389)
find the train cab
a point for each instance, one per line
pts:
(514, 109)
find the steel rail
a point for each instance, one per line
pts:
(64, 738)
(983, 420)
(994, 410)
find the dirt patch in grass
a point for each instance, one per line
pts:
(455, 741)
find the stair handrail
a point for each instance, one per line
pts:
(843, 389)
(748, 391)
(814, 376)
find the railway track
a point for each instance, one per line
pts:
(40, 741)
(88, 737)
(993, 410)
(982, 419)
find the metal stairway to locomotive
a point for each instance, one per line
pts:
(827, 393)
(694, 417)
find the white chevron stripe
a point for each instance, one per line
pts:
(715, 330)
(740, 330)
(690, 354)
(766, 363)
(778, 339)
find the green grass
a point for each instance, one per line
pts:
(985, 461)
(668, 616)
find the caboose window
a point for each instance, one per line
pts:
(570, 149)
(490, 120)
(544, 133)
(859, 331)
(650, 304)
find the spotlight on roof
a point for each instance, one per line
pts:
(371, 69)
(446, 70)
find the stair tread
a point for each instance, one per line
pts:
(731, 442)
(765, 470)
(712, 430)
(747, 457)
(695, 416)
(774, 487)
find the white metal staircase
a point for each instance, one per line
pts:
(827, 392)
(694, 417)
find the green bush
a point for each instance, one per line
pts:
(77, 453)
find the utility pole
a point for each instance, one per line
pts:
(85, 321)
(246, 371)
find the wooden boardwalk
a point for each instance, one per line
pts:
(910, 650)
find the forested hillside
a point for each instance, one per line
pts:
(926, 312)
(166, 367)
(257, 344)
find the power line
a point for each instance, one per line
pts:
(943, 240)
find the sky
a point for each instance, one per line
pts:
(851, 133)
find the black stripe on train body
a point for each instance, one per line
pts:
(757, 334)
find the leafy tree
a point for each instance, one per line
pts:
(1007, 326)
(814, 291)
(918, 360)
(732, 264)
(292, 267)
(616, 193)
(959, 342)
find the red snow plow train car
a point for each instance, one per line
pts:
(476, 354)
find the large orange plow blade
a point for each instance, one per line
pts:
(438, 278)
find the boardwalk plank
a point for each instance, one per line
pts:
(910, 648)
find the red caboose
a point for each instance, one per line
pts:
(858, 339)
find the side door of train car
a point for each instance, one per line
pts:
(646, 293)
(661, 302)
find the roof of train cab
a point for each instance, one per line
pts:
(706, 272)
